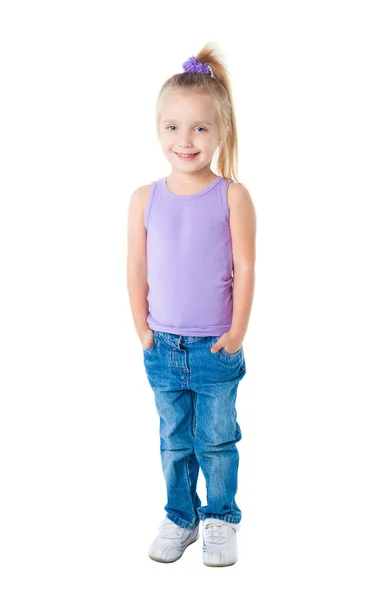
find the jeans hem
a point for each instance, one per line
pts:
(227, 518)
(181, 522)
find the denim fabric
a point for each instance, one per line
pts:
(195, 395)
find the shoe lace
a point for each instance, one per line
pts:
(171, 530)
(216, 532)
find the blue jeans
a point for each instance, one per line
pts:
(195, 394)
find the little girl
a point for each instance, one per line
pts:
(190, 276)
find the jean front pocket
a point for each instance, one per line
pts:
(232, 361)
(225, 353)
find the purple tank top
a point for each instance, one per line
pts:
(189, 260)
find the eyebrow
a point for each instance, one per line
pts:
(195, 122)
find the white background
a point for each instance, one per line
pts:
(82, 491)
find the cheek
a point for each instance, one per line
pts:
(166, 144)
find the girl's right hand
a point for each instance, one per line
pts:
(147, 338)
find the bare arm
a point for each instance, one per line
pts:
(243, 233)
(137, 261)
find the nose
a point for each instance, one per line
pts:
(186, 143)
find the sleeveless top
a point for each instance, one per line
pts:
(189, 260)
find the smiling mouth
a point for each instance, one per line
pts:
(186, 155)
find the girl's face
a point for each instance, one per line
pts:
(187, 126)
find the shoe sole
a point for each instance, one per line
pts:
(162, 560)
(215, 565)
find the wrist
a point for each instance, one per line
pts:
(237, 334)
(142, 328)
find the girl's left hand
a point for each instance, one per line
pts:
(229, 342)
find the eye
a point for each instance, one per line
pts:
(198, 127)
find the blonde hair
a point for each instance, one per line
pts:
(216, 87)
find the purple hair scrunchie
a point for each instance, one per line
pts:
(192, 65)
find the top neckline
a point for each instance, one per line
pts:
(190, 196)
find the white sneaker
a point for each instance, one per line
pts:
(219, 543)
(171, 541)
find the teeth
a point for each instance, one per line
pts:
(185, 155)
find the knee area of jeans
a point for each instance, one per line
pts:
(201, 449)
(217, 444)
(187, 450)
